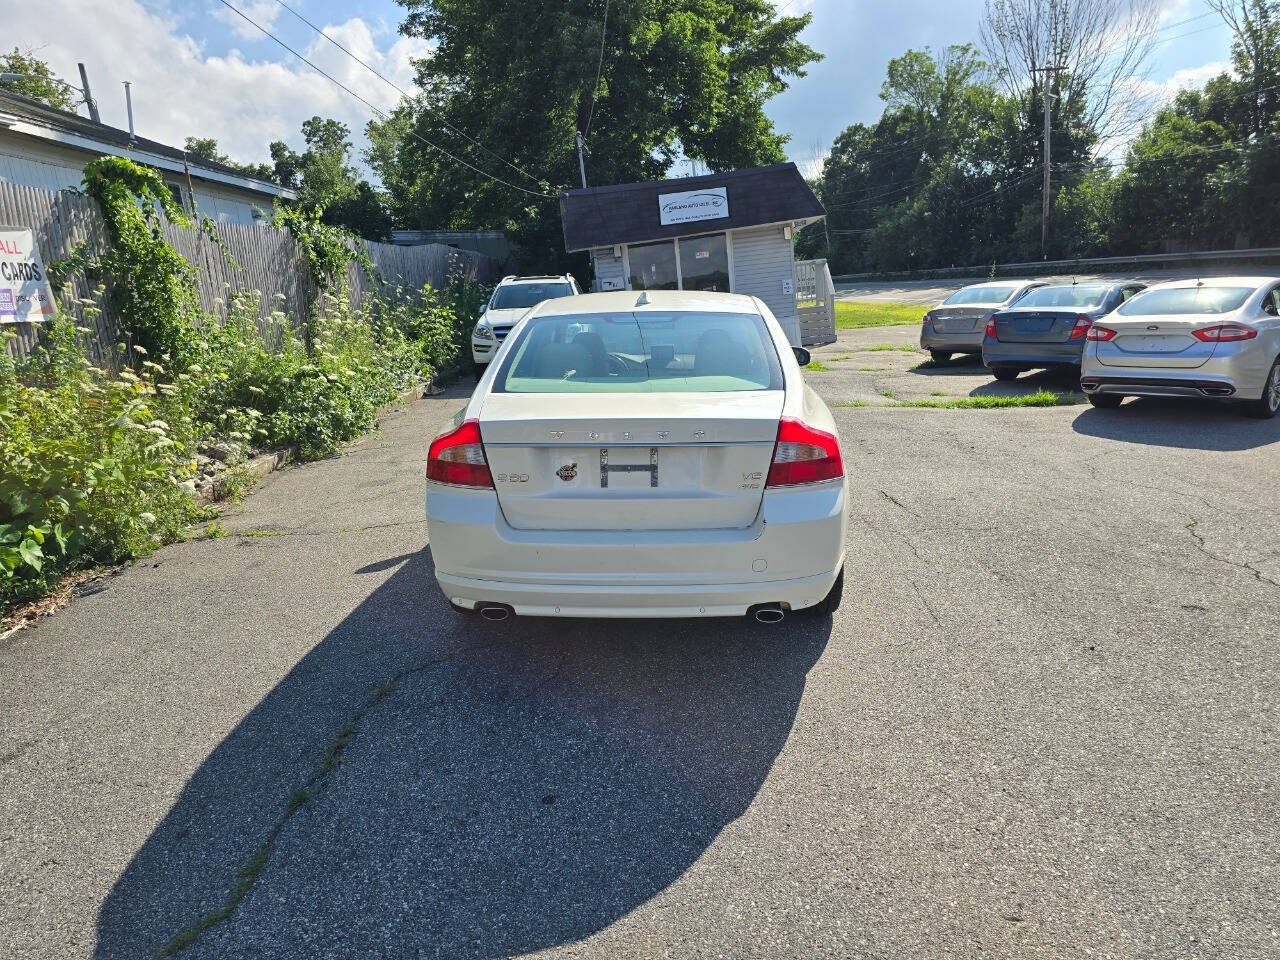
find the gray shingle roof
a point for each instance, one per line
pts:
(628, 212)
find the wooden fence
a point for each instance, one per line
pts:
(265, 259)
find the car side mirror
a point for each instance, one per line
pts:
(483, 308)
(803, 356)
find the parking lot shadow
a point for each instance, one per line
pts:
(1193, 424)
(502, 788)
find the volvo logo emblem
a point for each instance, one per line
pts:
(567, 472)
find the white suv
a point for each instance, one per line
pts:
(511, 300)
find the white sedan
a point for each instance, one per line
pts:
(641, 454)
(1216, 337)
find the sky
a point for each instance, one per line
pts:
(197, 69)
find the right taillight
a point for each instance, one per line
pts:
(991, 327)
(1096, 332)
(1225, 333)
(1081, 329)
(803, 455)
(457, 458)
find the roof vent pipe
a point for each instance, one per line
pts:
(128, 105)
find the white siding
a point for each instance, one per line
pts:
(31, 163)
(607, 266)
(763, 259)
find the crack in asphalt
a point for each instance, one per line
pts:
(1202, 545)
(247, 876)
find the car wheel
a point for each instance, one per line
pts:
(480, 368)
(1005, 373)
(940, 356)
(1268, 405)
(1106, 401)
(829, 604)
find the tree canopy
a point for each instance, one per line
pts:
(37, 82)
(510, 83)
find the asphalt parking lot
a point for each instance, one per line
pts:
(1043, 723)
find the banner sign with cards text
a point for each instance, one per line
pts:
(25, 293)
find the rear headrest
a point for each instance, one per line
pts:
(557, 360)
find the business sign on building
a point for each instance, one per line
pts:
(711, 203)
(25, 293)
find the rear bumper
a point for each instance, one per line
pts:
(790, 555)
(999, 353)
(931, 339)
(1234, 371)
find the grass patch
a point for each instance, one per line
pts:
(853, 403)
(889, 394)
(891, 347)
(1041, 398)
(817, 366)
(855, 315)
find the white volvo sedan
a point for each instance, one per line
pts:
(641, 454)
(1217, 337)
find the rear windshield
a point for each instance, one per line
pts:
(667, 352)
(1186, 300)
(1079, 295)
(517, 295)
(980, 295)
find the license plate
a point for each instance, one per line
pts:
(607, 468)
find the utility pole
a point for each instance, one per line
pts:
(1044, 203)
(91, 103)
(582, 164)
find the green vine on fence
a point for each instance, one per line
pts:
(153, 288)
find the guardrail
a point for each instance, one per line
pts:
(1070, 266)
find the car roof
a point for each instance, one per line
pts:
(1215, 282)
(996, 283)
(508, 281)
(634, 301)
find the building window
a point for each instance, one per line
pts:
(704, 263)
(688, 263)
(653, 266)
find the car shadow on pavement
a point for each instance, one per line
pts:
(484, 789)
(1189, 423)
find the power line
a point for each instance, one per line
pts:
(595, 90)
(381, 113)
(447, 125)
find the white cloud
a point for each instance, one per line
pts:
(242, 101)
(262, 12)
(1185, 79)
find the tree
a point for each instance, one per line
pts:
(1255, 53)
(325, 180)
(206, 148)
(1101, 48)
(509, 84)
(37, 82)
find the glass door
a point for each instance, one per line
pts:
(704, 263)
(653, 266)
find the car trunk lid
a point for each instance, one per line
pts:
(1035, 325)
(1156, 341)
(961, 319)
(633, 461)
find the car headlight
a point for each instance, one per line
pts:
(483, 332)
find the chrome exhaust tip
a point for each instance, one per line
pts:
(495, 612)
(769, 613)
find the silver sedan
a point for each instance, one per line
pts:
(1216, 337)
(957, 325)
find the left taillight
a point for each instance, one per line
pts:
(457, 458)
(803, 455)
(991, 330)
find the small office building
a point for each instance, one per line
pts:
(732, 232)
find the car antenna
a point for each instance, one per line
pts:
(643, 299)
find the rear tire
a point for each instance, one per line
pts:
(1106, 401)
(480, 368)
(1005, 373)
(940, 356)
(1268, 405)
(829, 604)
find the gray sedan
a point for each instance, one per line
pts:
(956, 324)
(1216, 337)
(1047, 327)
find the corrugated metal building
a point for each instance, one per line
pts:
(48, 148)
(732, 232)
